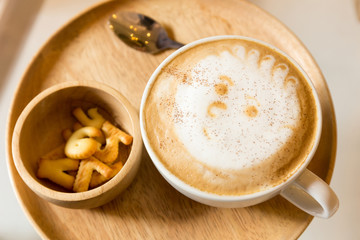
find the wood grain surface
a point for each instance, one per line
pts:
(150, 208)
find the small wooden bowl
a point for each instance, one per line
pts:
(38, 130)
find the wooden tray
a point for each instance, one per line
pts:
(150, 208)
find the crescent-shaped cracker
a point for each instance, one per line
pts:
(82, 144)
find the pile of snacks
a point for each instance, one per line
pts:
(89, 156)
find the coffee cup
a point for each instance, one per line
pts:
(232, 121)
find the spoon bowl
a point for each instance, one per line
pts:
(141, 32)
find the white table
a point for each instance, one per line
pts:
(329, 29)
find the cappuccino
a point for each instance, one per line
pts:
(231, 117)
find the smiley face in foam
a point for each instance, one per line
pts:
(236, 108)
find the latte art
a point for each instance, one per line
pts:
(238, 113)
(231, 117)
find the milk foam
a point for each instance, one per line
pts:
(228, 137)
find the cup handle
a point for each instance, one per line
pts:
(312, 195)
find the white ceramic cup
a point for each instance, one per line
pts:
(304, 189)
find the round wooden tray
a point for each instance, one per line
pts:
(150, 208)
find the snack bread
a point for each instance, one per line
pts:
(113, 137)
(54, 170)
(97, 179)
(86, 168)
(94, 120)
(81, 163)
(82, 144)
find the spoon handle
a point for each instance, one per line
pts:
(175, 45)
(164, 42)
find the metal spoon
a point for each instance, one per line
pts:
(141, 32)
